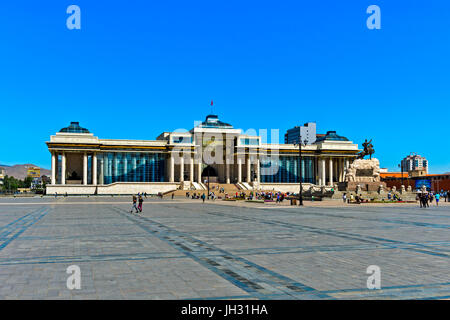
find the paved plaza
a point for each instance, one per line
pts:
(183, 249)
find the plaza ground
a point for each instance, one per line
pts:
(183, 249)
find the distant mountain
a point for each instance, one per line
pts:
(19, 171)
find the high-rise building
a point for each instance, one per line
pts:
(307, 132)
(415, 163)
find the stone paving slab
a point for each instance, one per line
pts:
(183, 249)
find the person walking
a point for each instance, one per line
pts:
(203, 197)
(173, 193)
(426, 199)
(344, 197)
(141, 200)
(422, 200)
(134, 204)
(437, 196)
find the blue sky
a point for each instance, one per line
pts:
(138, 68)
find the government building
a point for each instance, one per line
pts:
(212, 151)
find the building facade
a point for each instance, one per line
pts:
(307, 132)
(433, 182)
(212, 151)
(414, 163)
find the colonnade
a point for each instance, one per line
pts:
(64, 167)
(181, 160)
(331, 170)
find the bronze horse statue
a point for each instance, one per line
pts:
(368, 150)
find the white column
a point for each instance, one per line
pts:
(338, 169)
(171, 169)
(182, 168)
(324, 172)
(239, 161)
(227, 172)
(319, 172)
(191, 169)
(94, 168)
(331, 172)
(63, 168)
(249, 170)
(85, 165)
(258, 173)
(53, 168)
(199, 171)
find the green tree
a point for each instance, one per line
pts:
(27, 182)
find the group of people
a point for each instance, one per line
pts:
(394, 196)
(197, 195)
(358, 198)
(270, 196)
(137, 202)
(263, 195)
(425, 199)
(445, 195)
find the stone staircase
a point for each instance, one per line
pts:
(228, 188)
(231, 189)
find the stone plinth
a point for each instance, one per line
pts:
(365, 186)
(363, 170)
(364, 173)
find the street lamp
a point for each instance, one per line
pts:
(208, 168)
(401, 168)
(300, 195)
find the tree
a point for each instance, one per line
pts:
(27, 182)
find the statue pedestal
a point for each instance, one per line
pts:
(365, 173)
(365, 186)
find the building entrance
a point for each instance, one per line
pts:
(211, 173)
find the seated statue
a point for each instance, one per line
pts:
(74, 176)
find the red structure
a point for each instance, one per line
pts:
(437, 182)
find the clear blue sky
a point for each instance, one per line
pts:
(138, 68)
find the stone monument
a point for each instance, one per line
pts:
(364, 172)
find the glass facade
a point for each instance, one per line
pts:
(284, 169)
(132, 167)
(249, 142)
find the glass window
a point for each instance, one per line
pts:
(249, 142)
(285, 170)
(181, 139)
(133, 167)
